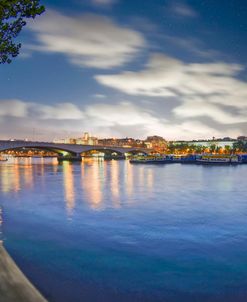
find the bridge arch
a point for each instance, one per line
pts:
(58, 151)
(119, 151)
(137, 151)
(103, 150)
(68, 149)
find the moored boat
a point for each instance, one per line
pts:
(218, 160)
(243, 158)
(150, 160)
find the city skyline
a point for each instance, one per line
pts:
(91, 136)
(176, 69)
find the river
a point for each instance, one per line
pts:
(110, 231)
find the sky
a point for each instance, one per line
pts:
(129, 68)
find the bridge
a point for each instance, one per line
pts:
(68, 150)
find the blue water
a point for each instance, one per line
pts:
(112, 231)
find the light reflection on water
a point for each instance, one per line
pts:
(1, 222)
(69, 190)
(91, 182)
(112, 231)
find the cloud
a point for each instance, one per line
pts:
(167, 76)
(99, 96)
(155, 80)
(22, 109)
(13, 108)
(100, 118)
(204, 89)
(61, 111)
(123, 113)
(191, 129)
(116, 118)
(87, 40)
(103, 2)
(119, 119)
(182, 9)
(202, 108)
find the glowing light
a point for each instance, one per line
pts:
(115, 183)
(28, 172)
(129, 178)
(91, 182)
(69, 186)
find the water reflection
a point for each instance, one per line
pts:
(19, 173)
(99, 179)
(150, 179)
(9, 178)
(54, 163)
(187, 234)
(5, 180)
(1, 223)
(141, 176)
(138, 176)
(69, 190)
(42, 168)
(16, 178)
(28, 172)
(115, 183)
(92, 173)
(129, 178)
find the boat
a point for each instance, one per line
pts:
(150, 160)
(174, 158)
(218, 160)
(185, 159)
(243, 158)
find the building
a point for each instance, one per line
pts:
(242, 138)
(88, 140)
(64, 141)
(157, 143)
(122, 142)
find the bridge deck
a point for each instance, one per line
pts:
(72, 148)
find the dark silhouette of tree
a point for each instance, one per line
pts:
(228, 149)
(212, 148)
(184, 147)
(218, 149)
(240, 146)
(199, 149)
(13, 15)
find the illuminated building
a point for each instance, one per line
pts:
(157, 143)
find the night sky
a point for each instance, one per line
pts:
(129, 68)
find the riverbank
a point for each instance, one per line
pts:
(14, 286)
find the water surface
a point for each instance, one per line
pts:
(112, 231)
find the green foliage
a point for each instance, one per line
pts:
(13, 15)
(240, 146)
(184, 147)
(212, 148)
